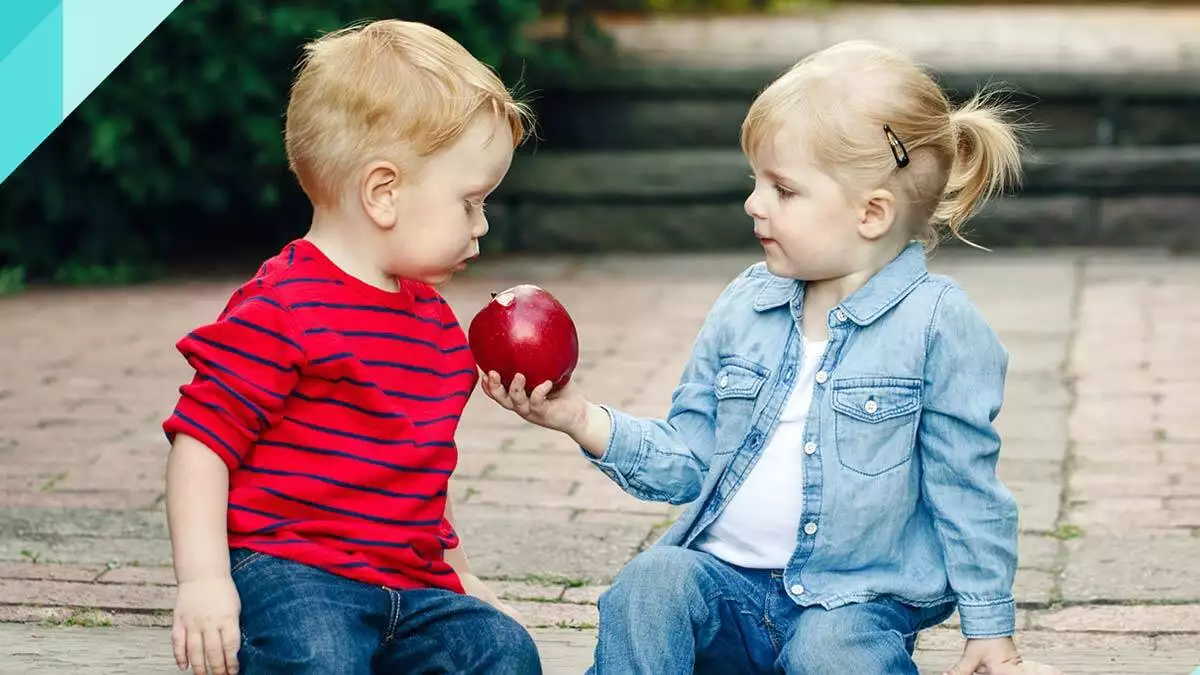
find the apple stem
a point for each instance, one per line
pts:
(493, 296)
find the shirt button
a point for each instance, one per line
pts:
(810, 529)
(789, 375)
(724, 382)
(797, 589)
(822, 376)
(840, 315)
(810, 448)
(871, 407)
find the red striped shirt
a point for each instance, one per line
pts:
(334, 404)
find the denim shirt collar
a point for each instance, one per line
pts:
(886, 288)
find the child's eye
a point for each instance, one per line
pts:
(783, 192)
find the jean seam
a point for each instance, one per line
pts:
(255, 555)
(393, 616)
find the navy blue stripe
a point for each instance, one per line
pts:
(347, 455)
(352, 514)
(271, 528)
(417, 369)
(258, 412)
(211, 435)
(269, 541)
(386, 336)
(246, 355)
(361, 565)
(444, 418)
(331, 357)
(266, 331)
(257, 512)
(310, 280)
(349, 486)
(351, 406)
(232, 418)
(466, 393)
(370, 439)
(269, 301)
(216, 366)
(429, 299)
(291, 254)
(373, 308)
(369, 542)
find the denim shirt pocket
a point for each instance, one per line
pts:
(737, 385)
(875, 422)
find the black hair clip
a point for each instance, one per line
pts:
(898, 149)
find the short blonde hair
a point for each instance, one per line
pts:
(389, 89)
(845, 95)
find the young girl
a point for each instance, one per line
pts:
(832, 429)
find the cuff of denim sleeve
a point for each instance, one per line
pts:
(990, 620)
(621, 458)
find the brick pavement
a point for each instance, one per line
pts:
(1101, 436)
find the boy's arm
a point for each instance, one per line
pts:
(457, 558)
(974, 514)
(197, 494)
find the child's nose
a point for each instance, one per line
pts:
(752, 207)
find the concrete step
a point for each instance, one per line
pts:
(691, 199)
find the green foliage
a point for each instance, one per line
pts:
(12, 280)
(179, 153)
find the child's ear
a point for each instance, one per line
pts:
(379, 191)
(878, 214)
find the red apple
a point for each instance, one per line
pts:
(525, 330)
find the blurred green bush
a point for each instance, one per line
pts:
(179, 153)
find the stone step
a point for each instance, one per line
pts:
(691, 199)
(642, 107)
(714, 176)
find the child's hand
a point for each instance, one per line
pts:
(564, 410)
(475, 588)
(996, 656)
(206, 633)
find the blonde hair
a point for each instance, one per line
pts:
(391, 89)
(847, 94)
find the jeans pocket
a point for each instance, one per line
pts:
(242, 558)
(875, 422)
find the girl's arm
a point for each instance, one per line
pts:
(974, 513)
(661, 460)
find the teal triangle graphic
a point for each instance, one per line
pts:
(97, 36)
(18, 19)
(31, 89)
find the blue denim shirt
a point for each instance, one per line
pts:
(901, 495)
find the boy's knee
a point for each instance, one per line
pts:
(511, 649)
(310, 653)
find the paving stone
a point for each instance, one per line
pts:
(160, 576)
(1034, 586)
(1020, 424)
(1120, 515)
(1038, 504)
(85, 551)
(1037, 552)
(1107, 568)
(584, 594)
(557, 615)
(77, 594)
(502, 543)
(46, 523)
(50, 571)
(526, 590)
(1129, 619)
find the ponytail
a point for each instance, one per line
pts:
(987, 161)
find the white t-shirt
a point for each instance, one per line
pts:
(760, 523)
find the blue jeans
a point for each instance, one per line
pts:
(674, 610)
(299, 619)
